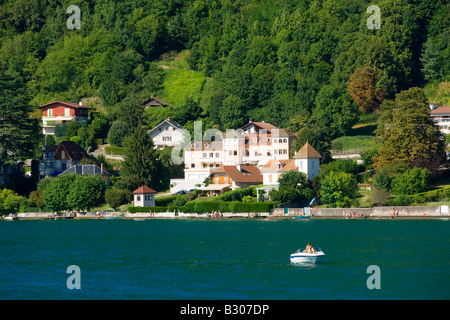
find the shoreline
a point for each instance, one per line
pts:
(409, 212)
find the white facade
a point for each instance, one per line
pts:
(309, 166)
(167, 134)
(144, 200)
(441, 116)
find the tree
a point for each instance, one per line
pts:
(412, 181)
(140, 159)
(364, 89)
(19, 133)
(339, 189)
(57, 191)
(117, 134)
(117, 197)
(10, 202)
(36, 198)
(86, 192)
(407, 131)
(430, 61)
(293, 179)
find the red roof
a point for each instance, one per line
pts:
(144, 189)
(67, 104)
(440, 110)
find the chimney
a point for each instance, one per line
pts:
(80, 103)
(101, 168)
(71, 165)
(239, 167)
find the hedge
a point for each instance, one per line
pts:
(165, 201)
(226, 206)
(430, 196)
(132, 209)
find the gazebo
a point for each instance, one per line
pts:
(144, 197)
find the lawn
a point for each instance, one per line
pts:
(179, 81)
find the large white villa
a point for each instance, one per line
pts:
(258, 144)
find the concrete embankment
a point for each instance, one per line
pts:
(375, 212)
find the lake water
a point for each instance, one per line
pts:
(223, 259)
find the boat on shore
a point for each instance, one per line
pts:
(11, 217)
(301, 256)
(113, 216)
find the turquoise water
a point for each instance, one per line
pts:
(223, 259)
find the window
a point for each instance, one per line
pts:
(138, 198)
(63, 166)
(67, 112)
(217, 155)
(211, 155)
(312, 164)
(270, 178)
(192, 165)
(50, 112)
(204, 154)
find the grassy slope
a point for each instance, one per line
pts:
(180, 82)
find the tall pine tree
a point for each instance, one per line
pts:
(19, 133)
(141, 159)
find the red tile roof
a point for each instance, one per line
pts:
(144, 189)
(68, 104)
(285, 165)
(440, 110)
(249, 174)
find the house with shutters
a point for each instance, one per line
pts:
(57, 159)
(60, 112)
(168, 133)
(226, 178)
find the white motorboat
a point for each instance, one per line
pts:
(114, 216)
(301, 256)
(11, 217)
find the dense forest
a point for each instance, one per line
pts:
(288, 61)
(311, 66)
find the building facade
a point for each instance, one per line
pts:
(59, 112)
(441, 115)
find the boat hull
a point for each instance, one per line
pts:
(303, 257)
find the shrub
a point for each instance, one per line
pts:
(118, 197)
(132, 209)
(401, 200)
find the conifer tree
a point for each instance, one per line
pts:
(141, 159)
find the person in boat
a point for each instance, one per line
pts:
(309, 248)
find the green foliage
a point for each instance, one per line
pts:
(156, 209)
(226, 206)
(19, 133)
(412, 181)
(339, 189)
(408, 134)
(117, 134)
(56, 192)
(117, 197)
(141, 160)
(10, 202)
